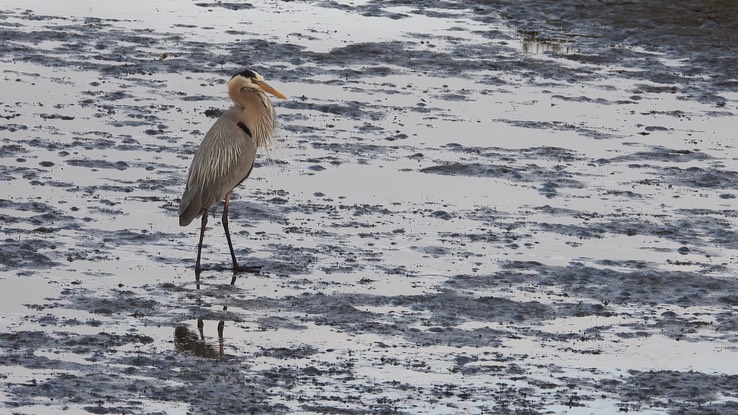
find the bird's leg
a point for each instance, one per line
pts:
(199, 246)
(227, 232)
(236, 267)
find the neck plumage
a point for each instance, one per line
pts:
(258, 115)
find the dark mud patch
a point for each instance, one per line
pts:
(226, 5)
(525, 175)
(695, 392)
(352, 109)
(607, 285)
(661, 154)
(26, 254)
(706, 229)
(561, 126)
(98, 164)
(698, 177)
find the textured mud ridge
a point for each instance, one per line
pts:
(511, 208)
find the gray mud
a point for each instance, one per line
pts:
(481, 207)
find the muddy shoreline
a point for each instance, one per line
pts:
(509, 208)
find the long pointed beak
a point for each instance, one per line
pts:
(266, 88)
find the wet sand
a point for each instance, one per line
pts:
(508, 208)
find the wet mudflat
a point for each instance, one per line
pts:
(516, 207)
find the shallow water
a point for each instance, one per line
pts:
(487, 208)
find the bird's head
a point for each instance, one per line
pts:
(249, 81)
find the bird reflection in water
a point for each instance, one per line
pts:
(187, 341)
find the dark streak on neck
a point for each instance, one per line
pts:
(245, 129)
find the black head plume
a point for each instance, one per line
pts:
(248, 73)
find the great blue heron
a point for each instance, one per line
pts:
(227, 153)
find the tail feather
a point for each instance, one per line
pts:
(186, 218)
(188, 211)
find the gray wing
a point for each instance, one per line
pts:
(223, 160)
